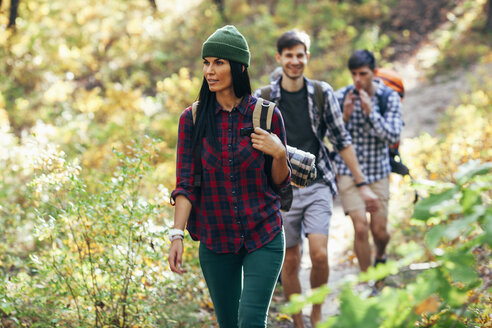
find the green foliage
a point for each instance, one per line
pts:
(101, 262)
(82, 212)
(463, 44)
(445, 290)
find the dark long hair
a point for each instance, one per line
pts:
(205, 114)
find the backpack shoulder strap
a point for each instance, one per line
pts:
(319, 97)
(262, 114)
(262, 117)
(383, 99)
(193, 111)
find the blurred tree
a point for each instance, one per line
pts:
(221, 7)
(272, 5)
(154, 5)
(488, 10)
(14, 6)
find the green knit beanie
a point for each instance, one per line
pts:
(227, 43)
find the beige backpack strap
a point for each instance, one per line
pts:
(193, 110)
(263, 113)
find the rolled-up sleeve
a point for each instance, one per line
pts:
(184, 159)
(278, 128)
(336, 132)
(388, 127)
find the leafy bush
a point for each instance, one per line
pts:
(102, 259)
(451, 290)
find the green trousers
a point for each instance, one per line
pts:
(241, 285)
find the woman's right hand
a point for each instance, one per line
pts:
(176, 256)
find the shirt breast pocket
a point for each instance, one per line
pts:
(211, 158)
(248, 156)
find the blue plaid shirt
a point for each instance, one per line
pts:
(333, 127)
(372, 134)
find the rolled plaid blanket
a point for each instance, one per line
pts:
(303, 167)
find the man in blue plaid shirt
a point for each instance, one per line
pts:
(306, 125)
(372, 130)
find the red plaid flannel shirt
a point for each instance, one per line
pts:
(235, 206)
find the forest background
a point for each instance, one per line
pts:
(90, 95)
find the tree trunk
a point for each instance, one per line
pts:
(152, 3)
(14, 6)
(221, 7)
(488, 9)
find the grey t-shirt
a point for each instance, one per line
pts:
(294, 109)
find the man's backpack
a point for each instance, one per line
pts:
(302, 163)
(394, 82)
(391, 79)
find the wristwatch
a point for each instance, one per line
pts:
(175, 234)
(360, 184)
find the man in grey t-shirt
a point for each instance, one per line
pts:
(306, 127)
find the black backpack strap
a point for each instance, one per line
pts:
(319, 97)
(383, 100)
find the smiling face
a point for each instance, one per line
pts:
(217, 72)
(293, 61)
(362, 78)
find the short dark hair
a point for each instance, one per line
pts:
(360, 58)
(291, 39)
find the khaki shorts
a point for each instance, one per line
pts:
(351, 199)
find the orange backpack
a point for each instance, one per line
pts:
(392, 79)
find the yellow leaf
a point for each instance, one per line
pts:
(283, 317)
(429, 305)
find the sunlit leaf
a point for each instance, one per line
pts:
(434, 236)
(379, 272)
(429, 305)
(471, 169)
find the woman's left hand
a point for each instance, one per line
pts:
(268, 143)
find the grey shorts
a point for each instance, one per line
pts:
(311, 211)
